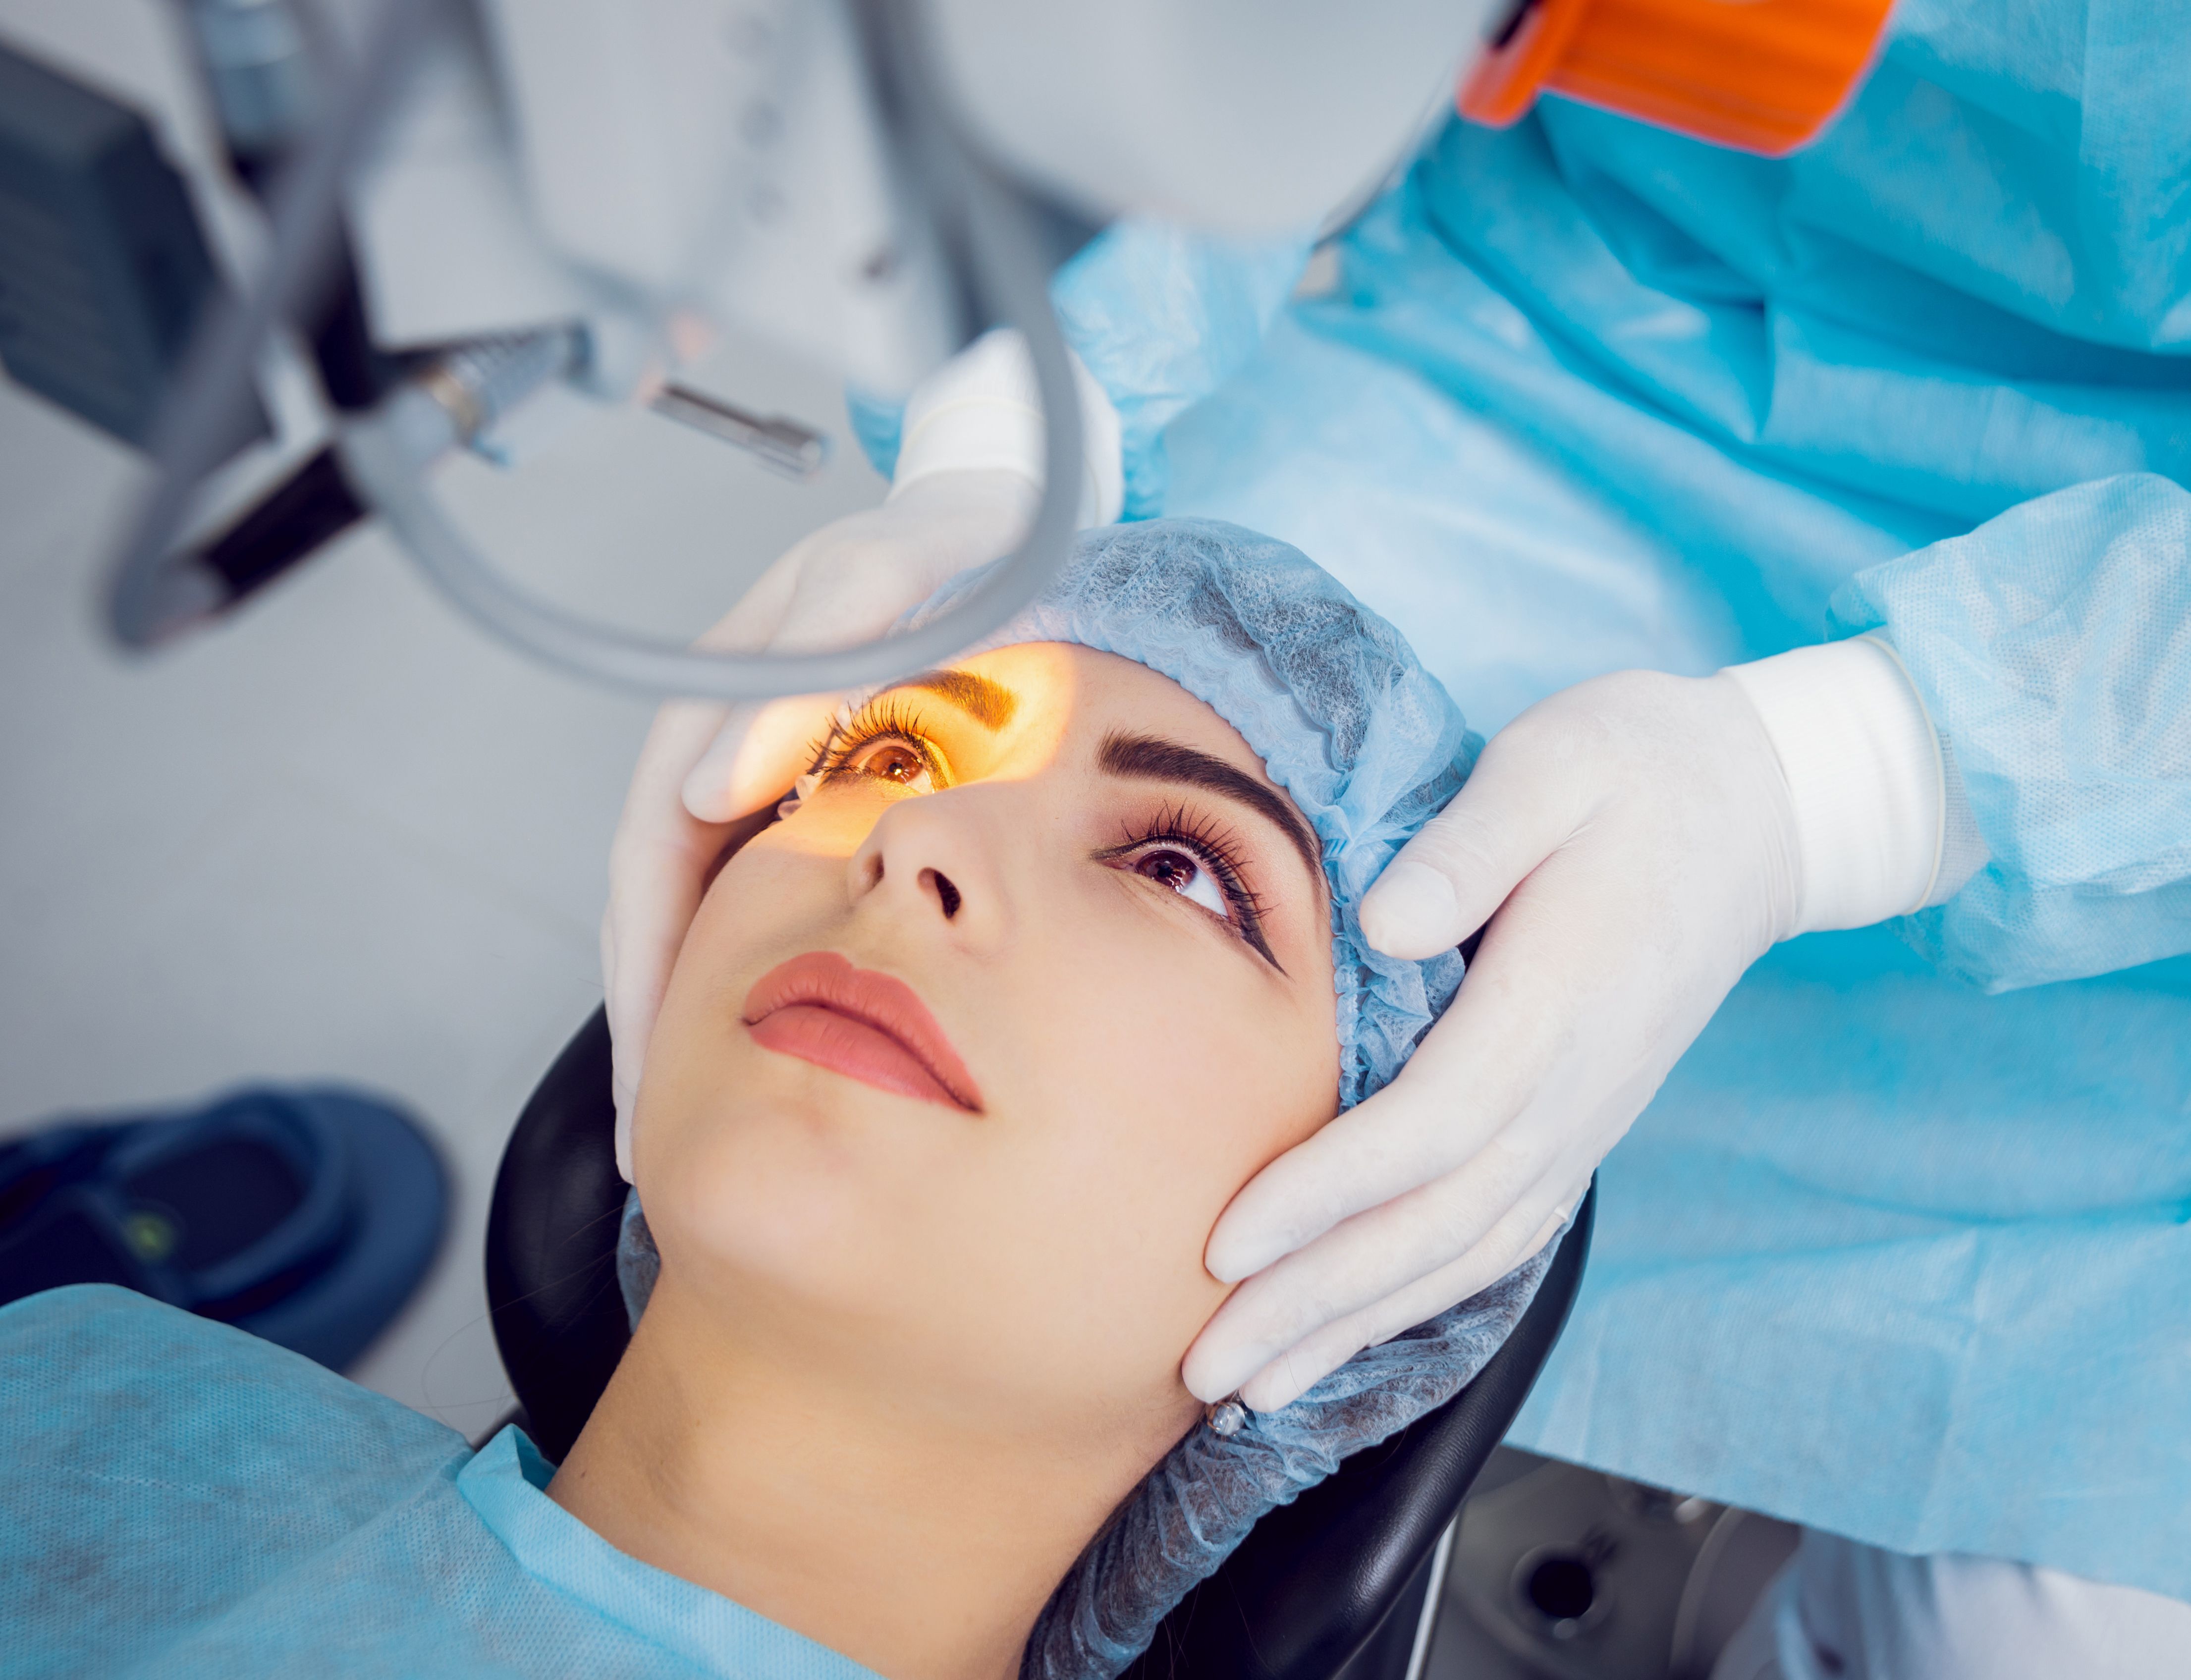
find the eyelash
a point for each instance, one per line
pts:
(885, 718)
(1208, 845)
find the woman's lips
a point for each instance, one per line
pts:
(857, 1022)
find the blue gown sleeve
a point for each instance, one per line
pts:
(1162, 316)
(2052, 646)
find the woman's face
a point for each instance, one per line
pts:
(961, 1060)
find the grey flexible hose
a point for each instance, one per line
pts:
(1004, 251)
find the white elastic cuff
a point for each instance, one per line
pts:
(1865, 774)
(1963, 849)
(981, 409)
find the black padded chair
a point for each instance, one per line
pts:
(1331, 1587)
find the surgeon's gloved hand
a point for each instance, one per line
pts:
(1633, 844)
(705, 765)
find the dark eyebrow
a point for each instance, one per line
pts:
(1147, 758)
(990, 704)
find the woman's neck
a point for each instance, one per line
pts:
(920, 1548)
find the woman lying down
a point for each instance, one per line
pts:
(960, 1063)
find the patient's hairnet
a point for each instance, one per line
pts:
(1368, 745)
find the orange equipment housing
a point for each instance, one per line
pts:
(1761, 76)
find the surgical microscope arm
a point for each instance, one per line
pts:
(460, 191)
(497, 196)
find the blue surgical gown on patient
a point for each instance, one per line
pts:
(179, 1498)
(1904, 1247)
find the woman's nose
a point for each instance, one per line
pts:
(935, 857)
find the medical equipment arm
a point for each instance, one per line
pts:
(655, 240)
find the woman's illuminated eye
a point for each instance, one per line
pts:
(895, 762)
(1185, 874)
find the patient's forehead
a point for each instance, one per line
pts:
(1074, 695)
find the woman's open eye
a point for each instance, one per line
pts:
(1185, 874)
(1189, 854)
(884, 742)
(894, 760)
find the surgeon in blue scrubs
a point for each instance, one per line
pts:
(1880, 449)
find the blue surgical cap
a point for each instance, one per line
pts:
(1369, 747)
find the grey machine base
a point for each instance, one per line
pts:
(1559, 1573)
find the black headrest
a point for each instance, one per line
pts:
(551, 1238)
(1313, 1583)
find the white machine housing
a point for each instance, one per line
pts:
(659, 168)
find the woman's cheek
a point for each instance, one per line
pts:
(1165, 1022)
(1234, 1063)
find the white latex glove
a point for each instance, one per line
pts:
(1634, 844)
(969, 476)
